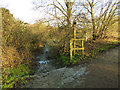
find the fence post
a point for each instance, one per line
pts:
(74, 24)
(71, 49)
(83, 47)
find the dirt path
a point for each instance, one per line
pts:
(102, 72)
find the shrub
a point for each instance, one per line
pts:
(10, 57)
(18, 42)
(62, 60)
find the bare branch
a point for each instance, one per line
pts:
(60, 10)
(86, 8)
(61, 6)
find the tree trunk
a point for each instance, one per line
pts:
(68, 15)
(68, 4)
(93, 23)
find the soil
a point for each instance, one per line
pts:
(101, 72)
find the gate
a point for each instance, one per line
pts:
(73, 43)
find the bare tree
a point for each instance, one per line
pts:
(104, 19)
(66, 10)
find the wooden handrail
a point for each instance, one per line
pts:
(74, 48)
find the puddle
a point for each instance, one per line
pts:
(64, 75)
(44, 62)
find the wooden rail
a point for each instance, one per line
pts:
(73, 48)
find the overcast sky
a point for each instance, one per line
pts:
(22, 9)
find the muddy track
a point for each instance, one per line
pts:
(102, 72)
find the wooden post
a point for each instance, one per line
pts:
(86, 36)
(83, 47)
(74, 24)
(71, 49)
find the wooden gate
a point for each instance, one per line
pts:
(73, 43)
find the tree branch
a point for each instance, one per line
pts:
(61, 6)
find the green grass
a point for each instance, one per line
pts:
(106, 47)
(76, 58)
(13, 76)
(62, 60)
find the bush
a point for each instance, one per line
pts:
(10, 57)
(18, 44)
(17, 41)
(62, 60)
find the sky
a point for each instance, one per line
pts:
(21, 9)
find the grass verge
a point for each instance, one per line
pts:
(14, 77)
(92, 49)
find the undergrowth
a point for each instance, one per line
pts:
(13, 77)
(64, 59)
